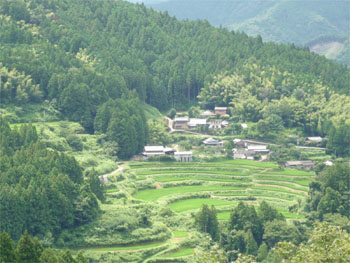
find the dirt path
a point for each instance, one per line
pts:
(281, 187)
(104, 178)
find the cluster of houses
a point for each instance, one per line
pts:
(152, 151)
(249, 149)
(207, 119)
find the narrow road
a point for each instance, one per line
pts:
(104, 178)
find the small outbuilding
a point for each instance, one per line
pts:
(316, 139)
(207, 114)
(222, 111)
(183, 156)
(300, 164)
(213, 142)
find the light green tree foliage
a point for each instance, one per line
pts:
(7, 248)
(157, 133)
(17, 87)
(262, 252)
(327, 244)
(277, 99)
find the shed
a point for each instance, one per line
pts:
(183, 156)
(213, 142)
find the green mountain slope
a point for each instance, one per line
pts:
(283, 21)
(79, 55)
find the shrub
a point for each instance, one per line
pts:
(161, 158)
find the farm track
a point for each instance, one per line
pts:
(282, 187)
(302, 187)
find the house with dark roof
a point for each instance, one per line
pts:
(181, 123)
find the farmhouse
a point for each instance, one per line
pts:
(300, 164)
(262, 149)
(215, 124)
(206, 114)
(153, 151)
(243, 154)
(195, 123)
(183, 156)
(222, 111)
(181, 123)
(157, 150)
(213, 142)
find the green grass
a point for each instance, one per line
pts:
(179, 253)
(252, 194)
(226, 215)
(112, 190)
(154, 194)
(275, 189)
(180, 234)
(303, 189)
(209, 178)
(288, 171)
(296, 180)
(121, 248)
(191, 170)
(151, 112)
(195, 203)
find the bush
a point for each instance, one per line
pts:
(161, 158)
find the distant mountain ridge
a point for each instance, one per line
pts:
(299, 22)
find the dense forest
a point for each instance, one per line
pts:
(32, 250)
(42, 191)
(321, 25)
(79, 54)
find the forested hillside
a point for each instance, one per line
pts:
(310, 23)
(77, 55)
(42, 191)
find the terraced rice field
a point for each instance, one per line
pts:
(225, 182)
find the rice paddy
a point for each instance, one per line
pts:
(225, 183)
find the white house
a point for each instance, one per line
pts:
(194, 123)
(258, 148)
(153, 151)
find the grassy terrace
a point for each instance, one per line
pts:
(179, 253)
(126, 248)
(245, 180)
(226, 215)
(155, 194)
(201, 177)
(195, 203)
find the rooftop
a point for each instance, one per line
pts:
(257, 147)
(220, 108)
(210, 140)
(181, 119)
(154, 148)
(195, 122)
